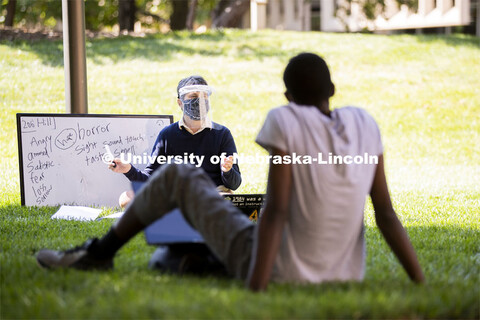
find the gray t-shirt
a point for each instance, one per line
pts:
(323, 236)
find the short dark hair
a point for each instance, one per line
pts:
(307, 79)
(190, 81)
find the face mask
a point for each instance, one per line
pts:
(191, 107)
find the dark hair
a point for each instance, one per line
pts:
(307, 79)
(190, 81)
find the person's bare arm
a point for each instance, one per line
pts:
(271, 223)
(390, 226)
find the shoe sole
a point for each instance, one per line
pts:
(43, 265)
(48, 267)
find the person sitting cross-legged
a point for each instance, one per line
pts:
(195, 134)
(311, 229)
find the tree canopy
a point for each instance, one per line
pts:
(154, 14)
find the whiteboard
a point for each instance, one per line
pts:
(61, 156)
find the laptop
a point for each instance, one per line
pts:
(174, 229)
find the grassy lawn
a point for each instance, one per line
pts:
(424, 92)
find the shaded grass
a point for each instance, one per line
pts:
(424, 92)
(448, 253)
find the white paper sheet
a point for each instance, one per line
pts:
(77, 213)
(115, 215)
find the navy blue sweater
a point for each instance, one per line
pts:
(173, 141)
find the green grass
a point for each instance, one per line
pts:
(424, 92)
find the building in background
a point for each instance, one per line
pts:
(328, 15)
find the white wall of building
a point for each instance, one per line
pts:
(296, 15)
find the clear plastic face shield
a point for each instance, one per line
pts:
(195, 102)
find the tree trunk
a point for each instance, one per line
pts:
(192, 8)
(178, 19)
(12, 4)
(217, 11)
(126, 14)
(230, 16)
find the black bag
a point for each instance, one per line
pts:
(187, 258)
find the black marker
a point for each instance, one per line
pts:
(109, 153)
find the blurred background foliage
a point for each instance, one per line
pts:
(106, 14)
(154, 15)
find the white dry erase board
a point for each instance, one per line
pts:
(61, 155)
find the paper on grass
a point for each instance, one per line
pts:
(77, 213)
(113, 215)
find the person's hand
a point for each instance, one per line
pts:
(118, 166)
(227, 164)
(125, 198)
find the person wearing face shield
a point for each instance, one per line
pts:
(195, 133)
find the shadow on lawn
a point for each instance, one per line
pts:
(444, 252)
(450, 257)
(158, 47)
(165, 47)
